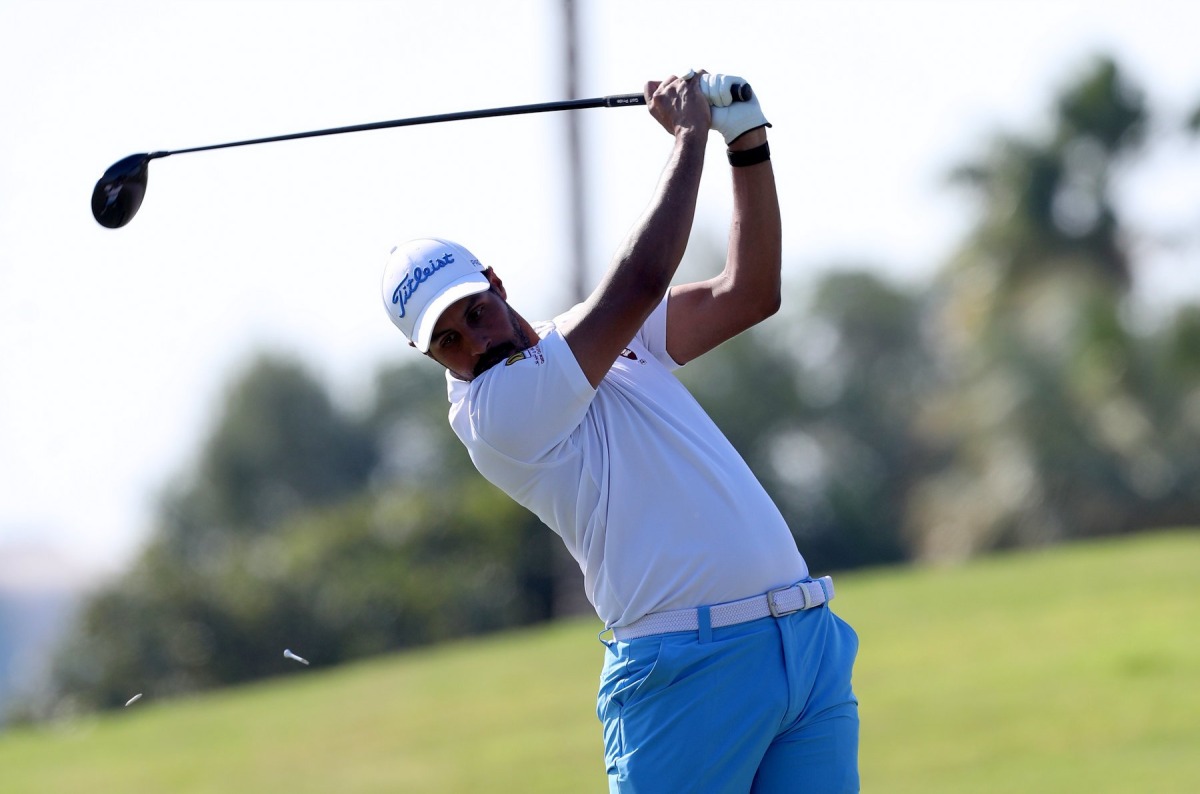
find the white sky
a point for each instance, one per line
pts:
(115, 345)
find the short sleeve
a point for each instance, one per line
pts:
(527, 405)
(653, 335)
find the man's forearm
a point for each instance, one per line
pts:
(641, 272)
(653, 249)
(755, 235)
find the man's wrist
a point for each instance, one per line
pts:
(690, 135)
(743, 158)
(750, 139)
(691, 143)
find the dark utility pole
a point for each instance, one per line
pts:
(575, 174)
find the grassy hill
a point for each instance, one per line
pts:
(1075, 669)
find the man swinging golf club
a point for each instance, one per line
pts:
(726, 671)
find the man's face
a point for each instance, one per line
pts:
(476, 333)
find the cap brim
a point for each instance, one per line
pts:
(470, 284)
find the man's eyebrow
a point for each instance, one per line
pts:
(474, 299)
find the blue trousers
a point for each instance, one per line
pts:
(760, 707)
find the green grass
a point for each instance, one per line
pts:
(1075, 669)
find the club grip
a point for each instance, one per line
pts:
(621, 100)
(741, 93)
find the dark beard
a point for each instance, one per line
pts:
(500, 352)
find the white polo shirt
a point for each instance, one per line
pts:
(653, 502)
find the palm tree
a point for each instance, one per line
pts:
(1043, 392)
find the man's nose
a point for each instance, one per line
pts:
(477, 342)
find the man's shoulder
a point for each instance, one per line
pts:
(525, 404)
(521, 371)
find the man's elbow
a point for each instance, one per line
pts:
(755, 309)
(768, 302)
(750, 300)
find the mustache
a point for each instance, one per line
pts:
(493, 356)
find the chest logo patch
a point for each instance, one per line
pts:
(533, 353)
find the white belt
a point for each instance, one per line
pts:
(782, 601)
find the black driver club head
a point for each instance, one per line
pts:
(119, 193)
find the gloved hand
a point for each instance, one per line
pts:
(730, 118)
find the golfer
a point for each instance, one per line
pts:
(724, 670)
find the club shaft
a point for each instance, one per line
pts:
(616, 100)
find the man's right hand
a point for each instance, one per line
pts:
(679, 104)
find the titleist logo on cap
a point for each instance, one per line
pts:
(419, 275)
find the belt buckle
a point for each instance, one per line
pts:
(776, 612)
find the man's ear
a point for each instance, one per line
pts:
(496, 283)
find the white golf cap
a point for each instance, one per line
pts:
(422, 279)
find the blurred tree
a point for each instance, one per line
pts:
(819, 401)
(1047, 204)
(408, 420)
(863, 386)
(262, 551)
(280, 446)
(390, 570)
(1171, 471)
(1047, 394)
(419, 450)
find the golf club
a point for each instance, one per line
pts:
(118, 194)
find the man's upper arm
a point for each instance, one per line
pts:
(600, 328)
(703, 314)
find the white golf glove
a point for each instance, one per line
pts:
(730, 118)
